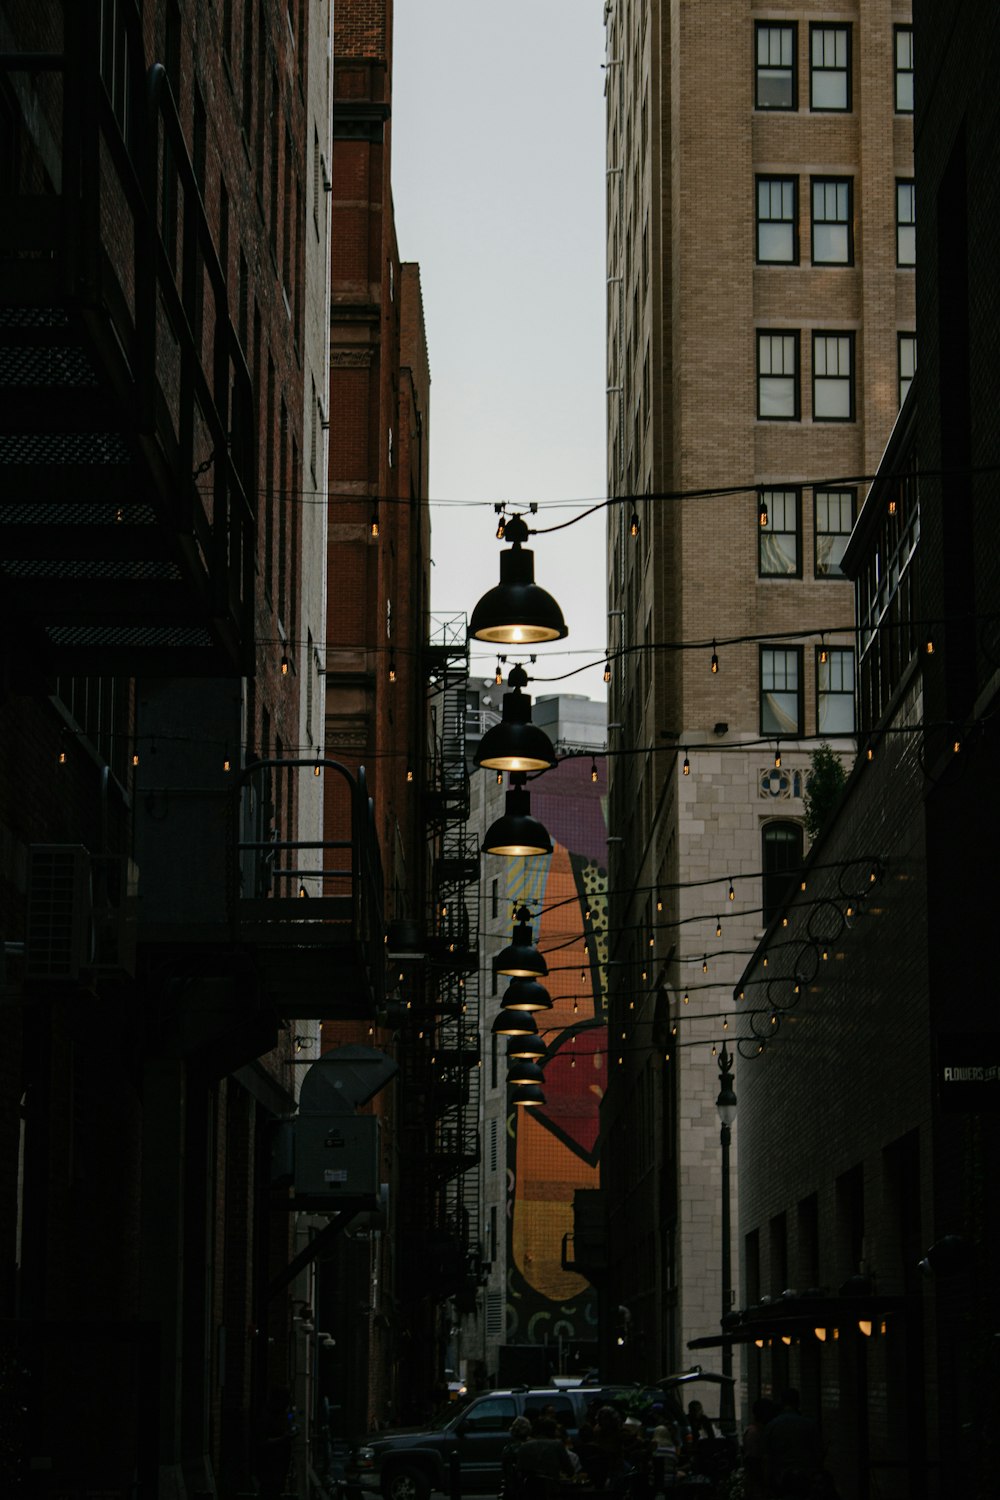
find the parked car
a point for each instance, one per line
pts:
(408, 1465)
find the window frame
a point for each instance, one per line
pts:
(906, 224)
(905, 337)
(776, 25)
(795, 335)
(829, 693)
(780, 178)
(837, 182)
(769, 495)
(849, 492)
(773, 900)
(835, 333)
(897, 72)
(816, 27)
(770, 731)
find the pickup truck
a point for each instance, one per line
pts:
(408, 1465)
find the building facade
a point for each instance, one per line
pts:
(760, 333)
(537, 1312)
(877, 1096)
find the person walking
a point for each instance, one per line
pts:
(793, 1452)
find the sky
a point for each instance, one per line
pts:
(499, 188)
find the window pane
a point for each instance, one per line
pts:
(829, 91)
(778, 554)
(777, 396)
(834, 522)
(830, 244)
(780, 692)
(904, 93)
(775, 242)
(832, 399)
(774, 89)
(779, 542)
(835, 693)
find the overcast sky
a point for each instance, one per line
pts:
(498, 182)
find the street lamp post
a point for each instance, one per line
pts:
(726, 1105)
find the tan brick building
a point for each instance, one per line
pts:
(760, 333)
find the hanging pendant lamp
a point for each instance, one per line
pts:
(531, 1047)
(526, 994)
(517, 612)
(524, 1071)
(521, 959)
(516, 744)
(517, 832)
(514, 1023)
(527, 1095)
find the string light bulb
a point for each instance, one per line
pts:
(762, 510)
(374, 523)
(62, 757)
(718, 926)
(659, 905)
(227, 764)
(929, 648)
(732, 893)
(687, 998)
(686, 768)
(317, 768)
(777, 757)
(892, 506)
(135, 757)
(607, 671)
(498, 675)
(392, 669)
(956, 746)
(284, 664)
(499, 778)
(409, 773)
(633, 525)
(593, 770)
(715, 660)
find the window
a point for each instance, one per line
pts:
(777, 216)
(492, 1414)
(830, 71)
(832, 236)
(834, 524)
(781, 860)
(778, 375)
(906, 223)
(904, 70)
(833, 377)
(775, 67)
(907, 347)
(835, 691)
(778, 545)
(781, 690)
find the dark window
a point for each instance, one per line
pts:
(830, 68)
(778, 375)
(774, 67)
(781, 691)
(906, 223)
(494, 900)
(781, 860)
(778, 545)
(492, 1414)
(833, 377)
(904, 70)
(834, 523)
(907, 362)
(777, 221)
(832, 236)
(835, 690)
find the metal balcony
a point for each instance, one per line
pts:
(127, 469)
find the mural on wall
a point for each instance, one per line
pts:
(552, 1150)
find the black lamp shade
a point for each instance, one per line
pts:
(514, 1023)
(516, 744)
(521, 959)
(526, 994)
(517, 832)
(517, 612)
(527, 1095)
(522, 1070)
(531, 1047)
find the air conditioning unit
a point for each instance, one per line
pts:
(58, 938)
(79, 914)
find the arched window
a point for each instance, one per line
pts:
(781, 860)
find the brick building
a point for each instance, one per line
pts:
(163, 305)
(874, 1105)
(760, 334)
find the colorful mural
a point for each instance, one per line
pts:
(553, 1150)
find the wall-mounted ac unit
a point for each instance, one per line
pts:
(79, 914)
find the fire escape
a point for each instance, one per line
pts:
(127, 435)
(441, 1058)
